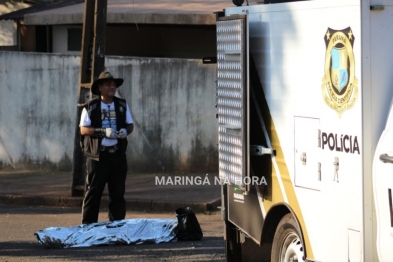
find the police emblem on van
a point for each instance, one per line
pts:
(339, 84)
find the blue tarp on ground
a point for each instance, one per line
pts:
(122, 232)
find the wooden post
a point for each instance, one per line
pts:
(91, 65)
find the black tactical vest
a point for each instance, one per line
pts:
(90, 145)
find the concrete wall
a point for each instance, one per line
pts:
(172, 102)
(7, 33)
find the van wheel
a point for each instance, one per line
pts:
(287, 243)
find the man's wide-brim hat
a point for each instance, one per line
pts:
(102, 78)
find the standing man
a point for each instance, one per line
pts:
(105, 123)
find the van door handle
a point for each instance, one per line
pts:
(386, 159)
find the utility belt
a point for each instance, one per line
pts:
(110, 149)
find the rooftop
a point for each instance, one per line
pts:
(125, 11)
(38, 7)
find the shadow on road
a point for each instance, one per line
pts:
(38, 210)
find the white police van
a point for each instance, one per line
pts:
(304, 91)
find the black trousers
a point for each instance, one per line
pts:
(111, 169)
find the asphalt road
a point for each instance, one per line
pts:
(18, 243)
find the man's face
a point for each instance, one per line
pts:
(108, 88)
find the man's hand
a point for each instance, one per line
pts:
(122, 133)
(110, 133)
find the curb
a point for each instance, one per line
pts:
(131, 204)
(40, 200)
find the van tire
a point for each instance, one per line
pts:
(287, 243)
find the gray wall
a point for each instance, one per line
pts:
(172, 102)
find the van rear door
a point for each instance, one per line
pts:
(383, 187)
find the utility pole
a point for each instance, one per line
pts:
(91, 65)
